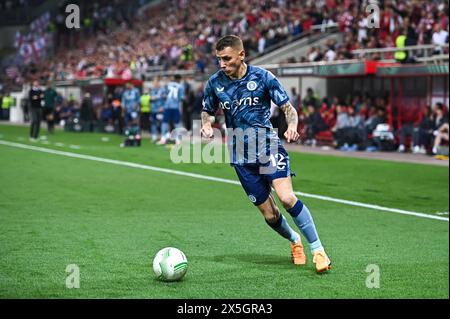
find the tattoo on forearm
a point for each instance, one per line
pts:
(207, 118)
(290, 113)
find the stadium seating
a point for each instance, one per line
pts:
(117, 42)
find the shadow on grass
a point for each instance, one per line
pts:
(257, 259)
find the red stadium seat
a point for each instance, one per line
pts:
(324, 138)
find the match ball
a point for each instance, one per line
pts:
(170, 264)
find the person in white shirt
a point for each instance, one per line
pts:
(440, 38)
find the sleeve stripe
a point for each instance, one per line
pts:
(283, 102)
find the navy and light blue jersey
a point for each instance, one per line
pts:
(175, 95)
(158, 98)
(131, 99)
(246, 104)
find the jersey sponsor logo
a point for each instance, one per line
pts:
(251, 86)
(220, 89)
(224, 105)
(241, 102)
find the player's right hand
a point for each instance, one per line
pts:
(207, 131)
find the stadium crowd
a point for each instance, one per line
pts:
(119, 39)
(361, 123)
(421, 22)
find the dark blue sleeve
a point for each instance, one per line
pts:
(210, 101)
(276, 91)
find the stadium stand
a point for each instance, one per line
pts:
(114, 40)
(122, 39)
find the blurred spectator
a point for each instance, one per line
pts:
(441, 126)
(106, 114)
(440, 115)
(187, 105)
(356, 134)
(328, 113)
(6, 103)
(330, 54)
(314, 125)
(198, 103)
(145, 110)
(401, 55)
(409, 119)
(378, 116)
(310, 99)
(340, 128)
(64, 113)
(441, 135)
(423, 133)
(118, 113)
(440, 38)
(25, 106)
(295, 99)
(35, 97)
(87, 115)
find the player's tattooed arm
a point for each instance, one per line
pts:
(207, 121)
(290, 113)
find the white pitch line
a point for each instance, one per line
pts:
(215, 179)
(377, 207)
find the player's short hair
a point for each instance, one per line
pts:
(232, 41)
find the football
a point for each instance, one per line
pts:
(170, 264)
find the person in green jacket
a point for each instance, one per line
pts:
(6, 103)
(401, 55)
(145, 110)
(50, 96)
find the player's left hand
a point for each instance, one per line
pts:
(291, 135)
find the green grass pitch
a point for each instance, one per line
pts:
(110, 220)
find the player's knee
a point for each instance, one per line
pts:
(288, 200)
(270, 213)
(272, 216)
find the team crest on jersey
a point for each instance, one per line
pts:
(252, 198)
(251, 86)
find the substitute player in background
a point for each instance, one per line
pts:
(245, 92)
(172, 108)
(157, 98)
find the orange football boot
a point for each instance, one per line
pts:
(297, 253)
(322, 261)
